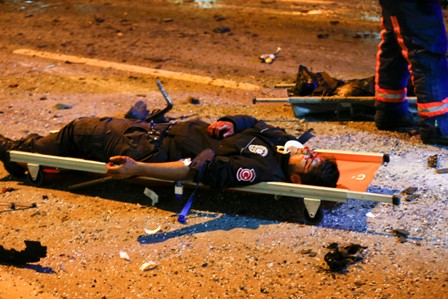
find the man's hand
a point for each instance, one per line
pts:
(221, 129)
(121, 167)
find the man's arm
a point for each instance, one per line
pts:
(122, 167)
(240, 122)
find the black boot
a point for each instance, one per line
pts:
(392, 117)
(6, 145)
(430, 132)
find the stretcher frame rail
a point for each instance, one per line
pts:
(312, 195)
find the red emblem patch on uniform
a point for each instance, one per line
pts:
(245, 175)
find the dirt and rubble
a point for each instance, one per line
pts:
(234, 245)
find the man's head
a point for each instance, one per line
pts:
(307, 167)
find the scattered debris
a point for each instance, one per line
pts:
(152, 231)
(63, 106)
(219, 18)
(361, 35)
(409, 190)
(411, 197)
(33, 252)
(124, 255)
(323, 35)
(221, 29)
(402, 234)
(152, 195)
(442, 170)
(205, 3)
(309, 252)
(148, 266)
(194, 101)
(410, 193)
(99, 20)
(7, 189)
(433, 161)
(340, 257)
(125, 22)
(16, 206)
(73, 62)
(370, 215)
(43, 6)
(269, 58)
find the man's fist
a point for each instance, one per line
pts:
(221, 129)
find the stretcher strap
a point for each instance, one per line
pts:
(182, 218)
(307, 135)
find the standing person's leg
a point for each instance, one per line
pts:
(420, 32)
(425, 41)
(392, 74)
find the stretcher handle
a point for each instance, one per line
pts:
(270, 100)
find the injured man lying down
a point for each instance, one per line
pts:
(234, 151)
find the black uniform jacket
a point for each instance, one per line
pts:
(247, 157)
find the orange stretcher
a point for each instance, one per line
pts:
(357, 171)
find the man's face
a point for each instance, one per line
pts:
(302, 160)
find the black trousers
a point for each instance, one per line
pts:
(414, 42)
(96, 139)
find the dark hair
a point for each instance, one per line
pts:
(326, 174)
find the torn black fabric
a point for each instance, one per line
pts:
(340, 257)
(33, 252)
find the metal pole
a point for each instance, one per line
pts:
(324, 99)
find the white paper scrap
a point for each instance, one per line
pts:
(152, 231)
(124, 255)
(152, 195)
(148, 266)
(370, 215)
